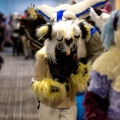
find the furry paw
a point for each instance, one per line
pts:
(49, 91)
(54, 89)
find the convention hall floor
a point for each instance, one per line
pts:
(17, 101)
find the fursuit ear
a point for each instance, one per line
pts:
(84, 31)
(44, 31)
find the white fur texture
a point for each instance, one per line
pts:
(50, 49)
(65, 30)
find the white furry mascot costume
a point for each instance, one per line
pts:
(102, 97)
(61, 69)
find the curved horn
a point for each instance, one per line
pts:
(81, 9)
(45, 10)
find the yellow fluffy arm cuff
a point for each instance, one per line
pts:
(49, 91)
(79, 81)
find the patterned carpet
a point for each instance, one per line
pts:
(17, 101)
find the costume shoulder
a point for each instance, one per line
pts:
(41, 53)
(108, 62)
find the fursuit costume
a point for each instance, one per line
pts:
(30, 25)
(61, 70)
(93, 47)
(56, 61)
(102, 98)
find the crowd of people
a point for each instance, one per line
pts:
(12, 34)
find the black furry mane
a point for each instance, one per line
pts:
(63, 68)
(84, 31)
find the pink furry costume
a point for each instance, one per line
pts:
(102, 99)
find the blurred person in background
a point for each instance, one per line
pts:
(15, 33)
(1, 62)
(2, 36)
(2, 30)
(24, 38)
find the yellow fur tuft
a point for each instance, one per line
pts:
(43, 91)
(32, 12)
(42, 31)
(79, 81)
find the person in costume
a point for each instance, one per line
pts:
(93, 40)
(61, 70)
(93, 48)
(102, 97)
(30, 24)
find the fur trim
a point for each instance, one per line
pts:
(99, 84)
(79, 81)
(49, 91)
(96, 108)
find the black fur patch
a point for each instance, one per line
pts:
(115, 22)
(63, 68)
(48, 35)
(98, 11)
(83, 30)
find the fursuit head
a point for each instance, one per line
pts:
(64, 39)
